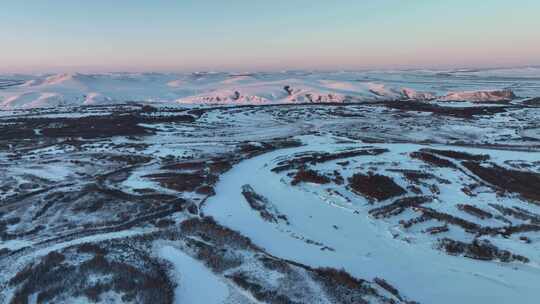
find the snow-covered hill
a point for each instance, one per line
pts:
(31, 91)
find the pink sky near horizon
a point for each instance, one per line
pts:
(67, 36)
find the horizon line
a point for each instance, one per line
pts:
(128, 70)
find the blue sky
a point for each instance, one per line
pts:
(105, 35)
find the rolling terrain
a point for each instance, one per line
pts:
(76, 89)
(351, 187)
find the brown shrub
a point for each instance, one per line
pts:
(437, 229)
(375, 186)
(340, 277)
(180, 181)
(208, 229)
(525, 183)
(399, 206)
(458, 155)
(309, 176)
(91, 248)
(259, 292)
(433, 160)
(316, 158)
(479, 250)
(474, 211)
(450, 219)
(387, 286)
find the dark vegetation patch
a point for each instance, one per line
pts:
(219, 246)
(309, 176)
(458, 155)
(181, 182)
(470, 227)
(95, 127)
(479, 250)
(192, 176)
(205, 190)
(220, 165)
(418, 177)
(343, 287)
(469, 189)
(128, 159)
(450, 219)
(188, 165)
(126, 123)
(48, 204)
(200, 176)
(521, 164)
(437, 229)
(92, 248)
(217, 258)
(164, 223)
(525, 239)
(387, 286)
(340, 277)
(262, 205)
(338, 178)
(432, 159)
(207, 229)
(398, 206)
(527, 184)
(474, 211)
(251, 149)
(507, 231)
(314, 158)
(6, 236)
(15, 133)
(50, 260)
(338, 284)
(518, 213)
(534, 102)
(375, 186)
(222, 257)
(460, 112)
(58, 277)
(113, 210)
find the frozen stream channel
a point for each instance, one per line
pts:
(363, 247)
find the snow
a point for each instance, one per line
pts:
(138, 181)
(196, 284)
(329, 215)
(53, 173)
(15, 244)
(216, 88)
(479, 96)
(41, 250)
(87, 239)
(365, 247)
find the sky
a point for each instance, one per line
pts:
(249, 35)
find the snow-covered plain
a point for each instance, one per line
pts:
(158, 193)
(30, 91)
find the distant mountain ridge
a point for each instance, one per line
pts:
(49, 90)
